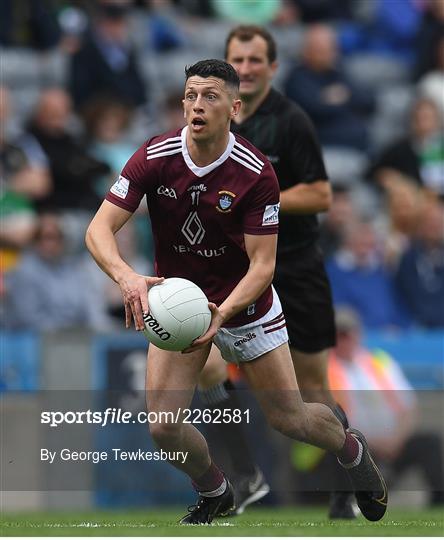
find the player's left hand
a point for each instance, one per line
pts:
(216, 322)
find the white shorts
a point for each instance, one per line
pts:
(252, 340)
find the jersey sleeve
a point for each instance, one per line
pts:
(133, 183)
(262, 212)
(307, 164)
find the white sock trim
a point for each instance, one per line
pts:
(357, 460)
(215, 493)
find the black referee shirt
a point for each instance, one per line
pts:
(282, 131)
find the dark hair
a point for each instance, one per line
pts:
(247, 33)
(214, 68)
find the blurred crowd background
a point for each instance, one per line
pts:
(84, 83)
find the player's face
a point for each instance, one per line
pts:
(250, 60)
(209, 107)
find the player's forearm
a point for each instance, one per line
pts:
(102, 245)
(249, 288)
(306, 198)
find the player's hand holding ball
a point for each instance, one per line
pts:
(134, 291)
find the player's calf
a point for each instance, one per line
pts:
(290, 424)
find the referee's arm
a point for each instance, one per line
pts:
(306, 198)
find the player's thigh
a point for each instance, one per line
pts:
(272, 378)
(214, 371)
(311, 369)
(171, 378)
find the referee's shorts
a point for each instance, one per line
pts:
(304, 290)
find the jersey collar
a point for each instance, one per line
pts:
(202, 171)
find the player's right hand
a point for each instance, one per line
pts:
(134, 288)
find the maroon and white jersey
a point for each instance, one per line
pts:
(199, 214)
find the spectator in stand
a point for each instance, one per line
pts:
(431, 85)
(73, 170)
(106, 63)
(336, 220)
(106, 122)
(34, 179)
(379, 400)
(420, 276)
(430, 33)
(322, 89)
(23, 180)
(360, 279)
(173, 111)
(417, 158)
(55, 290)
(405, 203)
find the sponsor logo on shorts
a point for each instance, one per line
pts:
(120, 188)
(168, 192)
(226, 199)
(246, 339)
(152, 323)
(271, 214)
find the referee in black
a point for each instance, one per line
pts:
(282, 131)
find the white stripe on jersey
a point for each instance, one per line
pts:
(245, 157)
(242, 148)
(161, 154)
(244, 163)
(150, 150)
(171, 139)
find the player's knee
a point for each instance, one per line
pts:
(165, 433)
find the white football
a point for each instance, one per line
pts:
(179, 314)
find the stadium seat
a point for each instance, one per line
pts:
(375, 72)
(344, 165)
(20, 67)
(391, 115)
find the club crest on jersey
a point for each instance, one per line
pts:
(225, 201)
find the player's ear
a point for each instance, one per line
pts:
(184, 113)
(235, 108)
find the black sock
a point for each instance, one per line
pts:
(230, 436)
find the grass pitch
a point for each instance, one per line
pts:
(254, 522)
